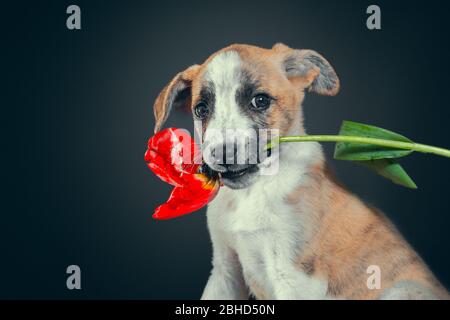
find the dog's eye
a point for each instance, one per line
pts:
(201, 110)
(261, 102)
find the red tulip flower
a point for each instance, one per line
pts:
(175, 158)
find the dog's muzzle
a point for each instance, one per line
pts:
(236, 164)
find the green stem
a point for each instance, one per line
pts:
(380, 142)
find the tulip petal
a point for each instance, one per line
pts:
(175, 158)
(184, 200)
(171, 154)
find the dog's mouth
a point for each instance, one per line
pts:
(236, 174)
(240, 178)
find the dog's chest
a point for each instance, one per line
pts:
(262, 228)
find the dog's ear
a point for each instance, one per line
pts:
(177, 93)
(315, 72)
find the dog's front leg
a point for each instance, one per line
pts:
(226, 281)
(294, 284)
(288, 281)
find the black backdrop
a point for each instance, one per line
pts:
(76, 114)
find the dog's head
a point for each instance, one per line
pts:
(237, 92)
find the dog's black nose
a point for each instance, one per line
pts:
(222, 154)
(233, 156)
(230, 154)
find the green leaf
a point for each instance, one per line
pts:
(361, 151)
(390, 169)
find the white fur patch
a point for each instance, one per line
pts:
(224, 72)
(264, 231)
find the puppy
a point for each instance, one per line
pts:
(297, 234)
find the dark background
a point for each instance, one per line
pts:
(77, 111)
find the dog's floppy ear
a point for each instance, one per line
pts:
(315, 71)
(176, 93)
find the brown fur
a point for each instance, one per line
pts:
(349, 236)
(162, 107)
(258, 291)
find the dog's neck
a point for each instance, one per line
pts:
(298, 158)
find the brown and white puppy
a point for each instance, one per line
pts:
(297, 234)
